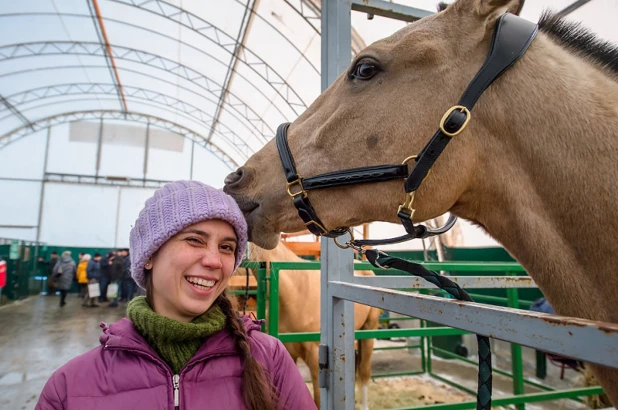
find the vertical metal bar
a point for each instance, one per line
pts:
(98, 166)
(146, 148)
(541, 365)
(429, 369)
(423, 361)
(117, 217)
(273, 311)
(261, 295)
(42, 195)
(516, 355)
(336, 315)
(192, 156)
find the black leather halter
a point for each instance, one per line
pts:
(511, 38)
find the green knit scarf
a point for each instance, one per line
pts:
(176, 342)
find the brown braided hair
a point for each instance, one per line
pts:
(258, 392)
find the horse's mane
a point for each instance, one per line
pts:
(578, 38)
(574, 36)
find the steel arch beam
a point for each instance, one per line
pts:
(302, 54)
(245, 26)
(42, 123)
(226, 42)
(60, 90)
(202, 81)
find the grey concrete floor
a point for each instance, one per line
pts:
(37, 337)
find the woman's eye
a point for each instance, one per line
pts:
(364, 70)
(194, 241)
(227, 248)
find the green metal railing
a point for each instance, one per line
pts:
(22, 269)
(267, 293)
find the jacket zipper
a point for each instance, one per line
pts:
(175, 377)
(176, 382)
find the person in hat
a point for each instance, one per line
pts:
(182, 345)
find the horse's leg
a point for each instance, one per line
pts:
(310, 351)
(608, 378)
(365, 351)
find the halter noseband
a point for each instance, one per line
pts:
(512, 37)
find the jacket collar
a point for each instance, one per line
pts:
(124, 336)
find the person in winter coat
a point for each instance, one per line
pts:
(93, 271)
(117, 273)
(105, 279)
(51, 264)
(182, 346)
(82, 275)
(63, 274)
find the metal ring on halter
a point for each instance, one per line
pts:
(348, 244)
(450, 222)
(411, 157)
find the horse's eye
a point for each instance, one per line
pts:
(365, 70)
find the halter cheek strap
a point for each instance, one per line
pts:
(512, 37)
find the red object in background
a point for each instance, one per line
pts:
(2, 274)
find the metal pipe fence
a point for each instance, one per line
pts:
(268, 295)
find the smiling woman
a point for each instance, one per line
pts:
(182, 346)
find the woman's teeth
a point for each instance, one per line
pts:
(200, 283)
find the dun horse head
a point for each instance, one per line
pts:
(383, 109)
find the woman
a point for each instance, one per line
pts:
(93, 272)
(82, 276)
(63, 275)
(182, 345)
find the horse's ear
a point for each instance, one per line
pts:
(499, 7)
(490, 9)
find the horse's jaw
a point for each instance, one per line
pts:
(260, 229)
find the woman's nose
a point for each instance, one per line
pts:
(212, 259)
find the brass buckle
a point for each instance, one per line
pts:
(445, 116)
(302, 191)
(407, 205)
(312, 222)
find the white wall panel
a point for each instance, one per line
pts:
(69, 156)
(19, 204)
(79, 215)
(24, 158)
(132, 201)
(209, 169)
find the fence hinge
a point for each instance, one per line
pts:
(323, 366)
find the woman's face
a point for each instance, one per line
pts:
(192, 269)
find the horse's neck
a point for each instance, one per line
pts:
(546, 186)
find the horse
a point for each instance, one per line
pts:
(296, 316)
(536, 167)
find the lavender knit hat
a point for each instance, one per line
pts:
(174, 207)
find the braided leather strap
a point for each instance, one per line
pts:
(380, 259)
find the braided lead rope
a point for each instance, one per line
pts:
(382, 260)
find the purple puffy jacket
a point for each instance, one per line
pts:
(126, 373)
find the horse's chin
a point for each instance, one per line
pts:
(260, 233)
(263, 239)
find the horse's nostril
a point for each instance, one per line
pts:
(234, 178)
